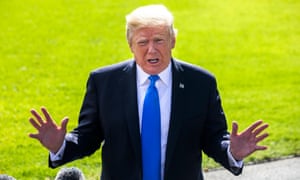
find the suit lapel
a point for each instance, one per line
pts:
(176, 111)
(128, 85)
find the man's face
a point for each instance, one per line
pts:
(152, 48)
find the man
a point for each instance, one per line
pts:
(191, 119)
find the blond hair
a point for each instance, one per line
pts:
(149, 16)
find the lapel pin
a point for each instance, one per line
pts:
(181, 85)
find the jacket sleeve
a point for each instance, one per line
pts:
(217, 137)
(86, 138)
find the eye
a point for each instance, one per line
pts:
(142, 43)
(159, 41)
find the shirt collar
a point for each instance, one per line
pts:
(165, 75)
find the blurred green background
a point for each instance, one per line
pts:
(48, 48)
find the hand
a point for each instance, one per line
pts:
(245, 143)
(49, 134)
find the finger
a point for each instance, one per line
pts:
(254, 125)
(34, 124)
(234, 130)
(34, 136)
(261, 147)
(47, 115)
(261, 137)
(37, 116)
(260, 129)
(64, 123)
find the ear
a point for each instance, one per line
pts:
(173, 42)
(130, 46)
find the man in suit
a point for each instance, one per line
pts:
(191, 116)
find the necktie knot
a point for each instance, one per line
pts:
(153, 79)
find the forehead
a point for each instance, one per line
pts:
(151, 31)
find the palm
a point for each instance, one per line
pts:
(49, 134)
(246, 142)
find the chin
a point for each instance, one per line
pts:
(154, 70)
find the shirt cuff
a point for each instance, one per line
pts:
(58, 156)
(232, 161)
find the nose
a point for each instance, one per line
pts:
(151, 48)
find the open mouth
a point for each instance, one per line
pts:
(153, 61)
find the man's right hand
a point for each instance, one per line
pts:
(50, 135)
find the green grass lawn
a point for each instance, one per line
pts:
(48, 48)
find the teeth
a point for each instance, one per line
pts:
(152, 60)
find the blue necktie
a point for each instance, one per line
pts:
(151, 133)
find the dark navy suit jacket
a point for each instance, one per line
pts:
(109, 119)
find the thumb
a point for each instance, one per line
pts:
(234, 130)
(64, 123)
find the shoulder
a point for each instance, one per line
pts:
(118, 67)
(112, 72)
(192, 71)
